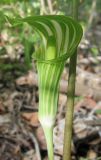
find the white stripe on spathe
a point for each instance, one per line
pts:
(47, 28)
(58, 30)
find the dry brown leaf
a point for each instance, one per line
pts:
(32, 118)
(41, 138)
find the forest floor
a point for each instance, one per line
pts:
(21, 136)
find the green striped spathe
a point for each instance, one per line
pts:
(49, 76)
(60, 36)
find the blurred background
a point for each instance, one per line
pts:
(21, 136)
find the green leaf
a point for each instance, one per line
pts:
(98, 111)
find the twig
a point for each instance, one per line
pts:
(49, 2)
(43, 8)
(91, 16)
(36, 145)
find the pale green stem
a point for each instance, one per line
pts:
(70, 98)
(49, 140)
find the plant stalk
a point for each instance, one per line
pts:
(70, 96)
(49, 139)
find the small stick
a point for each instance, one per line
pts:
(36, 145)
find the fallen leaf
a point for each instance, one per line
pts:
(32, 118)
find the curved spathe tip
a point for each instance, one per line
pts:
(60, 36)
